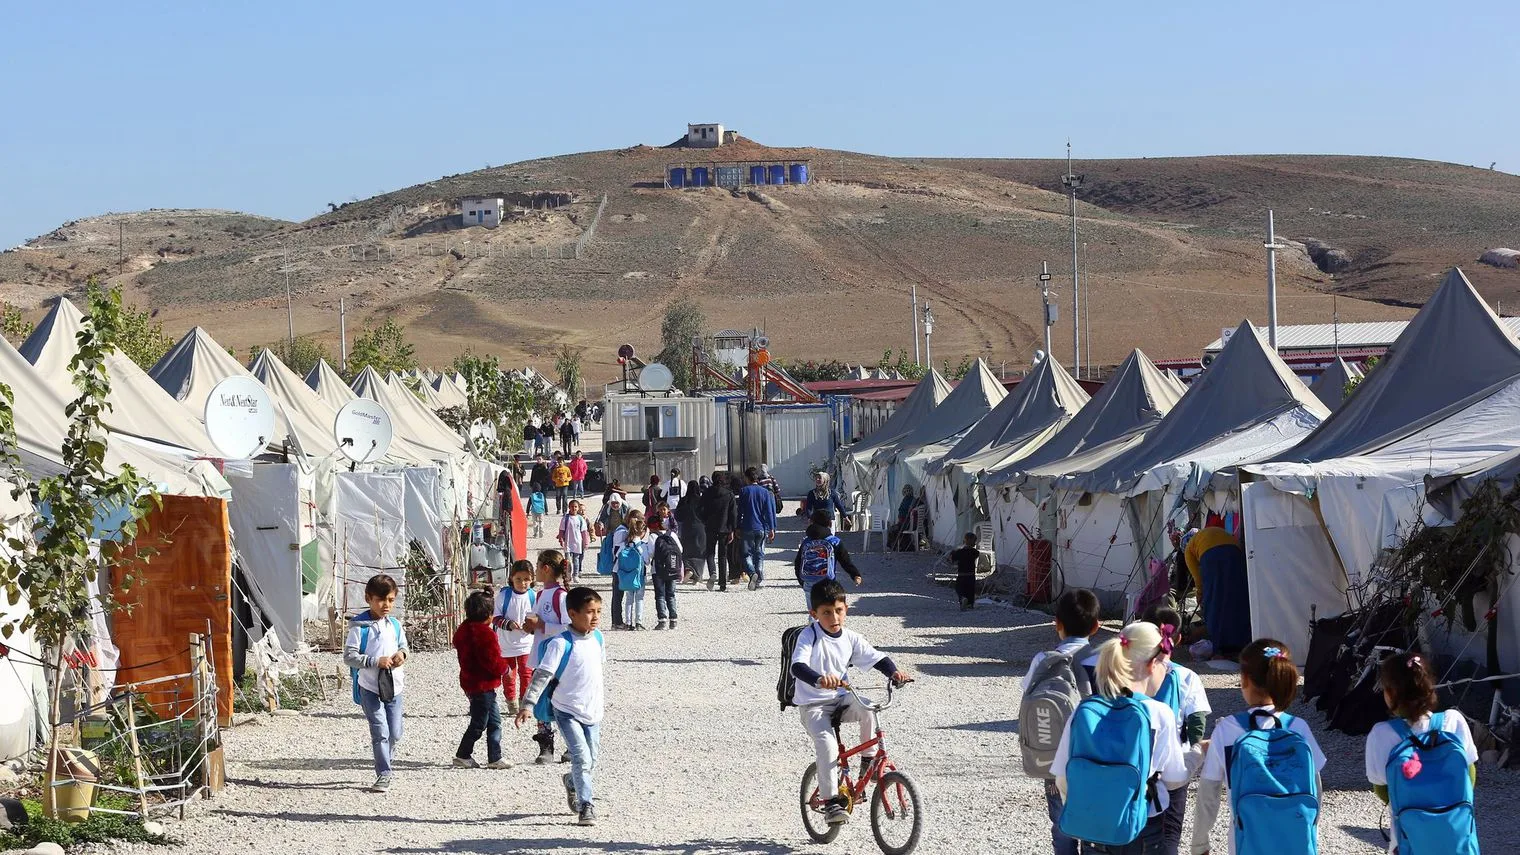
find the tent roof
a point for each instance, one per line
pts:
(972, 399)
(328, 385)
(1248, 385)
(1448, 492)
(1330, 385)
(139, 406)
(449, 394)
(1454, 352)
(1046, 399)
(294, 395)
(927, 395)
(409, 416)
(1135, 398)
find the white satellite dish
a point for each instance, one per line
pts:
(762, 342)
(239, 417)
(482, 432)
(656, 378)
(363, 430)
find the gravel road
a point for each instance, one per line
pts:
(697, 758)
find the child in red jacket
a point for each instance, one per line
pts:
(480, 668)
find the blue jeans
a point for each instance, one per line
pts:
(664, 597)
(384, 727)
(584, 742)
(754, 554)
(1060, 843)
(576, 560)
(485, 718)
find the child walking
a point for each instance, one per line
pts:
(374, 650)
(965, 560)
(1182, 691)
(1423, 763)
(575, 537)
(821, 662)
(537, 507)
(514, 607)
(1060, 672)
(820, 555)
(569, 677)
(1109, 807)
(480, 668)
(550, 617)
(629, 582)
(1268, 682)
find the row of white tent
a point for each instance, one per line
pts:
(1323, 485)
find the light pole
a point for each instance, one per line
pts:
(1049, 311)
(914, 313)
(1272, 247)
(928, 331)
(1071, 181)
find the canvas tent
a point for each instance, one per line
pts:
(1042, 404)
(448, 392)
(1136, 397)
(854, 460)
(329, 386)
(1330, 385)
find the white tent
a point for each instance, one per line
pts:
(854, 460)
(328, 385)
(1330, 385)
(1039, 407)
(1136, 397)
(409, 415)
(902, 463)
(449, 393)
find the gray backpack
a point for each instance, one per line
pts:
(1055, 689)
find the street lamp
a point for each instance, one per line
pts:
(928, 331)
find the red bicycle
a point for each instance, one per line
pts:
(897, 817)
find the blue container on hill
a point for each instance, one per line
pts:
(799, 173)
(778, 174)
(757, 175)
(699, 176)
(678, 176)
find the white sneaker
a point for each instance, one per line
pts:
(382, 784)
(498, 764)
(465, 763)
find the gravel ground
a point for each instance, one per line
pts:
(696, 757)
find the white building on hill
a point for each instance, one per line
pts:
(479, 211)
(704, 136)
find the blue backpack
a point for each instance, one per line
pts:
(1109, 784)
(605, 555)
(508, 594)
(630, 567)
(1274, 788)
(1433, 809)
(353, 673)
(817, 559)
(1170, 692)
(544, 709)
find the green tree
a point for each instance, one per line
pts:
(55, 565)
(684, 322)
(384, 348)
(567, 366)
(139, 335)
(13, 325)
(902, 364)
(492, 396)
(300, 355)
(813, 371)
(1357, 381)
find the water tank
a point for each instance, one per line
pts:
(778, 174)
(678, 176)
(699, 176)
(799, 173)
(757, 175)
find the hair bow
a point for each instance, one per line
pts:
(1272, 652)
(1123, 641)
(1166, 638)
(1414, 661)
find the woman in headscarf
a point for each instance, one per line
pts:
(693, 531)
(822, 498)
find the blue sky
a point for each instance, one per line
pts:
(277, 108)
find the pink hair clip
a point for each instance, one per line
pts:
(1123, 641)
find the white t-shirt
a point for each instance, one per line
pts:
(1227, 730)
(575, 529)
(1383, 739)
(1067, 645)
(830, 655)
(1166, 755)
(1190, 690)
(552, 610)
(579, 693)
(514, 642)
(674, 489)
(385, 638)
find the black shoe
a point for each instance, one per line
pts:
(660, 625)
(588, 814)
(672, 623)
(570, 798)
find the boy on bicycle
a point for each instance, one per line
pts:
(821, 661)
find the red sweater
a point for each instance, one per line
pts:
(480, 661)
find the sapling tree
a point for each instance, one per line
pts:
(55, 566)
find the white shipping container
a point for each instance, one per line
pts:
(627, 417)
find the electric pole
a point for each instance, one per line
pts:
(1047, 309)
(928, 331)
(916, 355)
(1071, 181)
(290, 315)
(1272, 247)
(342, 337)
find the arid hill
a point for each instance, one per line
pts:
(1172, 250)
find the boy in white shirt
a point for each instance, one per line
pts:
(375, 649)
(821, 662)
(570, 670)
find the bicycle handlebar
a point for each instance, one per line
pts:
(875, 706)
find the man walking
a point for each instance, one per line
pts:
(757, 525)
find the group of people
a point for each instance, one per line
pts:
(541, 432)
(563, 473)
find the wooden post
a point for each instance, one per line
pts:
(137, 763)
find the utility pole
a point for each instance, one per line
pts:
(928, 331)
(916, 356)
(1087, 318)
(1071, 181)
(290, 315)
(1335, 321)
(121, 244)
(342, 337)
(1048, 314)
(1272, 247)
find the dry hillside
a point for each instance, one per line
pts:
(1173, 247)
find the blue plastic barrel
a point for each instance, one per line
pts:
(799, 173)
(678, 176)
(778, 174)
(757, 175)
(699, 176)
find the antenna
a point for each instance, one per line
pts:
(239, 417)
(363, 430)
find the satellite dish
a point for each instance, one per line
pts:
(363, 430)
(625, 352)
(1039, 356)
(239, 417)
(656, 378)
(762, 342)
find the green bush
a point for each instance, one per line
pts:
(99, 828)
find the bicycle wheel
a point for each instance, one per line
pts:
(897, 813)
(812, 802)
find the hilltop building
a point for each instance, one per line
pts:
(479, 211)
(705, 136)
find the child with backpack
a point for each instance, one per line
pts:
(1268, 759)
(567, 687)
(537, 507)
(575, 537)
(1182, 690)
(820, 555)
(632, 552)
(821, 658)
(480, 668)
(965, 560)
(374, 650)
(665, 565)
(550, 617)
(1054, 685)
(1119, 755)
(514, 606)
(1423, 763)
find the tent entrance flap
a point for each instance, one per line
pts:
(1290, 566)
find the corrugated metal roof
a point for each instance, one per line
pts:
(1323, 336)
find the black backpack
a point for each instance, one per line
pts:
(786, 684)
(667, 556)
